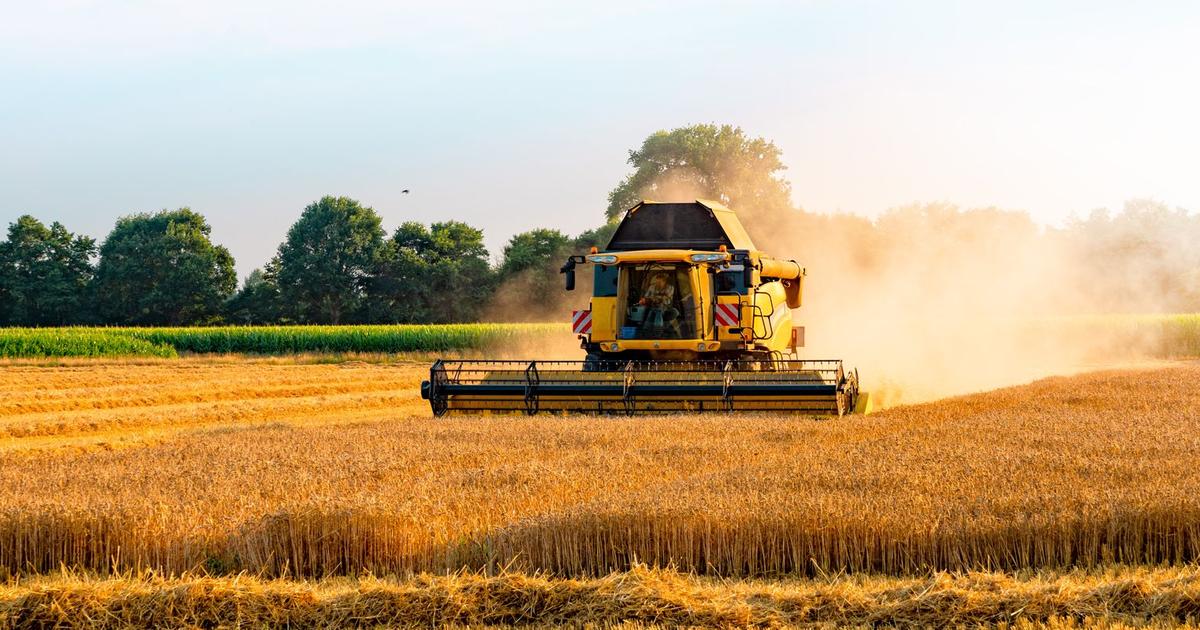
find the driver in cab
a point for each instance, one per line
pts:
(659, 294)
(657, 299)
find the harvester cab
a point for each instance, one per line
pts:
(686, 314)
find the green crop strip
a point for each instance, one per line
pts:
(266, 340)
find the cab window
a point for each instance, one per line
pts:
(731, 279)
(660, 304)
(605, 281)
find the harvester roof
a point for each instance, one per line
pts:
(700, 224)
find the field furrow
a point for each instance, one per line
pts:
(73, 402)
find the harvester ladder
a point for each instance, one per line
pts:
(768, 319)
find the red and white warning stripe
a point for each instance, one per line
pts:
(581, 322)
(727, 315)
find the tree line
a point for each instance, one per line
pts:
(337, 265)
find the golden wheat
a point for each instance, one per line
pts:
(349, 476)
(1116, 597)
(125, 401)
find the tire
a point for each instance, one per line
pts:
(593, 363)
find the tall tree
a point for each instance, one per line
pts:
(163, 268)
(326, 262)
(45, 273)
(437, 274)
(705, 161)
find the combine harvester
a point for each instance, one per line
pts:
(686, 316)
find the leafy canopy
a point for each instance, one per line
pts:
(704, 161)
(435, 274)
(326, 262)
(163, 269)
(44, 274)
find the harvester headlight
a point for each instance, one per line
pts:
(614, 347)
(709, 257)
(602, 259)
(700, 347)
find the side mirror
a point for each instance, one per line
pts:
(568, 269)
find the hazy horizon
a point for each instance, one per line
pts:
(521, 116)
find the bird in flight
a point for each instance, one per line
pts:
(405, 191)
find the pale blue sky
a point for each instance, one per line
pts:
(518, 115)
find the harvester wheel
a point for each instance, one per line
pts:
(592, 363)
(847, 398)
(437, 380)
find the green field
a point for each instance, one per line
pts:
(267, 340)
(1161, 336)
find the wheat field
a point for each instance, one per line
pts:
(306, 470)
(640, 598)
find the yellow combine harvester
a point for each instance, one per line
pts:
(686, 315)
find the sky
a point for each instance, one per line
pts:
(517, 115)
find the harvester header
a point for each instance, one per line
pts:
(686, 314)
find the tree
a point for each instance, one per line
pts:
(530, 266)
(533, 250)
(44, 273)
(596, 237)
(708, 162)
(1143, 258)
(258, 301)
(438, 274)
(326, 262)
(163, 269)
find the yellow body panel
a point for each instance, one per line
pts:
(771, 317)
(604, 318)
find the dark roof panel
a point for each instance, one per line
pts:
(691, 225)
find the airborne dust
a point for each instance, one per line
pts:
(933, 300)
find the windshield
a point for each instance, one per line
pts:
(660, 304)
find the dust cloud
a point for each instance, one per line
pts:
(931, 300)
(538, 295)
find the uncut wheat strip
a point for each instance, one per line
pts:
(1044, 546)
(535, 499)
